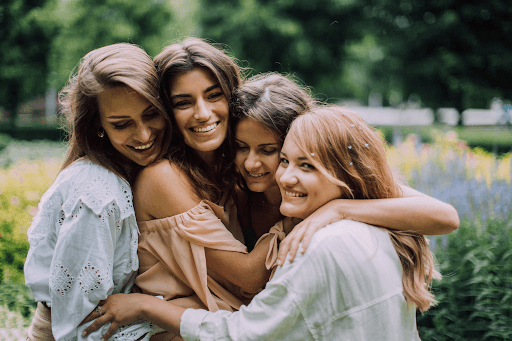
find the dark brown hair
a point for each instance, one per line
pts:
(175, 60)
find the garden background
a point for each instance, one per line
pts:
(408, 54)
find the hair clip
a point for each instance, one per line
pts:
(366, 145)
(350, 164)
(349, 147)
(312, 154)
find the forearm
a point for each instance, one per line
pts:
(247, 271)
(421, 214)
(162, 313)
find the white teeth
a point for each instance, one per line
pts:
(146, 146)
(205, 129)
(257, 175)
(292, 194)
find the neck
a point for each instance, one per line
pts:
(208, 158)
(273, 195)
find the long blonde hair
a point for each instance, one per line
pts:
(107, 67)
(352, 155)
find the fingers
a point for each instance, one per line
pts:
(294, 244)
(110, 332)
(284, 247)
(100, 321)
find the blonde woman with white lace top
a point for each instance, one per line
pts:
(83, 241)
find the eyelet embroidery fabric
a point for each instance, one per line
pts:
(83, 247)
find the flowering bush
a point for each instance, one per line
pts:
(472, 180)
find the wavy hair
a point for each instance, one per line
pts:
(175, 60)
(352, 155)
(107, 67)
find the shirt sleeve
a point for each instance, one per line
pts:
(272, 315)
(81, 267)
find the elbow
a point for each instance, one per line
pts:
(451, 220)
(254, 283)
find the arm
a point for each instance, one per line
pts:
(414, 211)
(175, 196)
(272, 312)
(81, 269)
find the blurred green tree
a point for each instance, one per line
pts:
(89, 24)
(450, 53)
(26, 29)
(303, 37)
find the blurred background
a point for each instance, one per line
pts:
(435, 77)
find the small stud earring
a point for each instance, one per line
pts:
(101, 134)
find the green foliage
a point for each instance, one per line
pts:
(89, 24)
(30, 133)
(18, 298)
(475, 294)
(26, 30)
(303, 37)
(450, 53)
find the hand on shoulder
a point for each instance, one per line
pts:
(163, 190)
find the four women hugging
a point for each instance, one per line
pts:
(222, 170)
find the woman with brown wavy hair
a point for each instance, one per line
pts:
(82, 239)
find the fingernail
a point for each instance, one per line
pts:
(279, 262)
(84, 333)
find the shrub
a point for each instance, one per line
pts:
(475, 294)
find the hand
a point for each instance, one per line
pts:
(94, 314)
(119, 309)
(303, 232)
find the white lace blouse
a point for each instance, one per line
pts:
(83, 247)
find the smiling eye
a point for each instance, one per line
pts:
(120, 125)
(241, 147)
(151, 114)
(215, 95)
(181, 105)
(270, 151)
(308, 166)
(283, 161)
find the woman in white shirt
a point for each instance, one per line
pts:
(83, 241)
(355, 281)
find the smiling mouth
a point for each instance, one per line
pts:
(257, 175)
(145, 146)
(294, 194)
(205, 129)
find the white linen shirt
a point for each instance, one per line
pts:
(83, 247)
(346, 286)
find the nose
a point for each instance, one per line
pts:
(252, 162)
(288, 178)
(143, 133)
(202, 113)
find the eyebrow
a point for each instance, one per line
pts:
(208, 89)
(149, 107)
(260, 145)
(299, 158)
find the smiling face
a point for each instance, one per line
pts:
(257, 155)
(132, 124)
(201, 110)
(304, 188)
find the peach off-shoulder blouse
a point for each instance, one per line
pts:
(172, 259)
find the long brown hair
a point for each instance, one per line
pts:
(349, 152)
(175, 60)
(110, 66)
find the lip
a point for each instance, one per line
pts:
(205, 128)
(256, 176)
(294, 194)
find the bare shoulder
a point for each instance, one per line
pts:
(163, 190)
